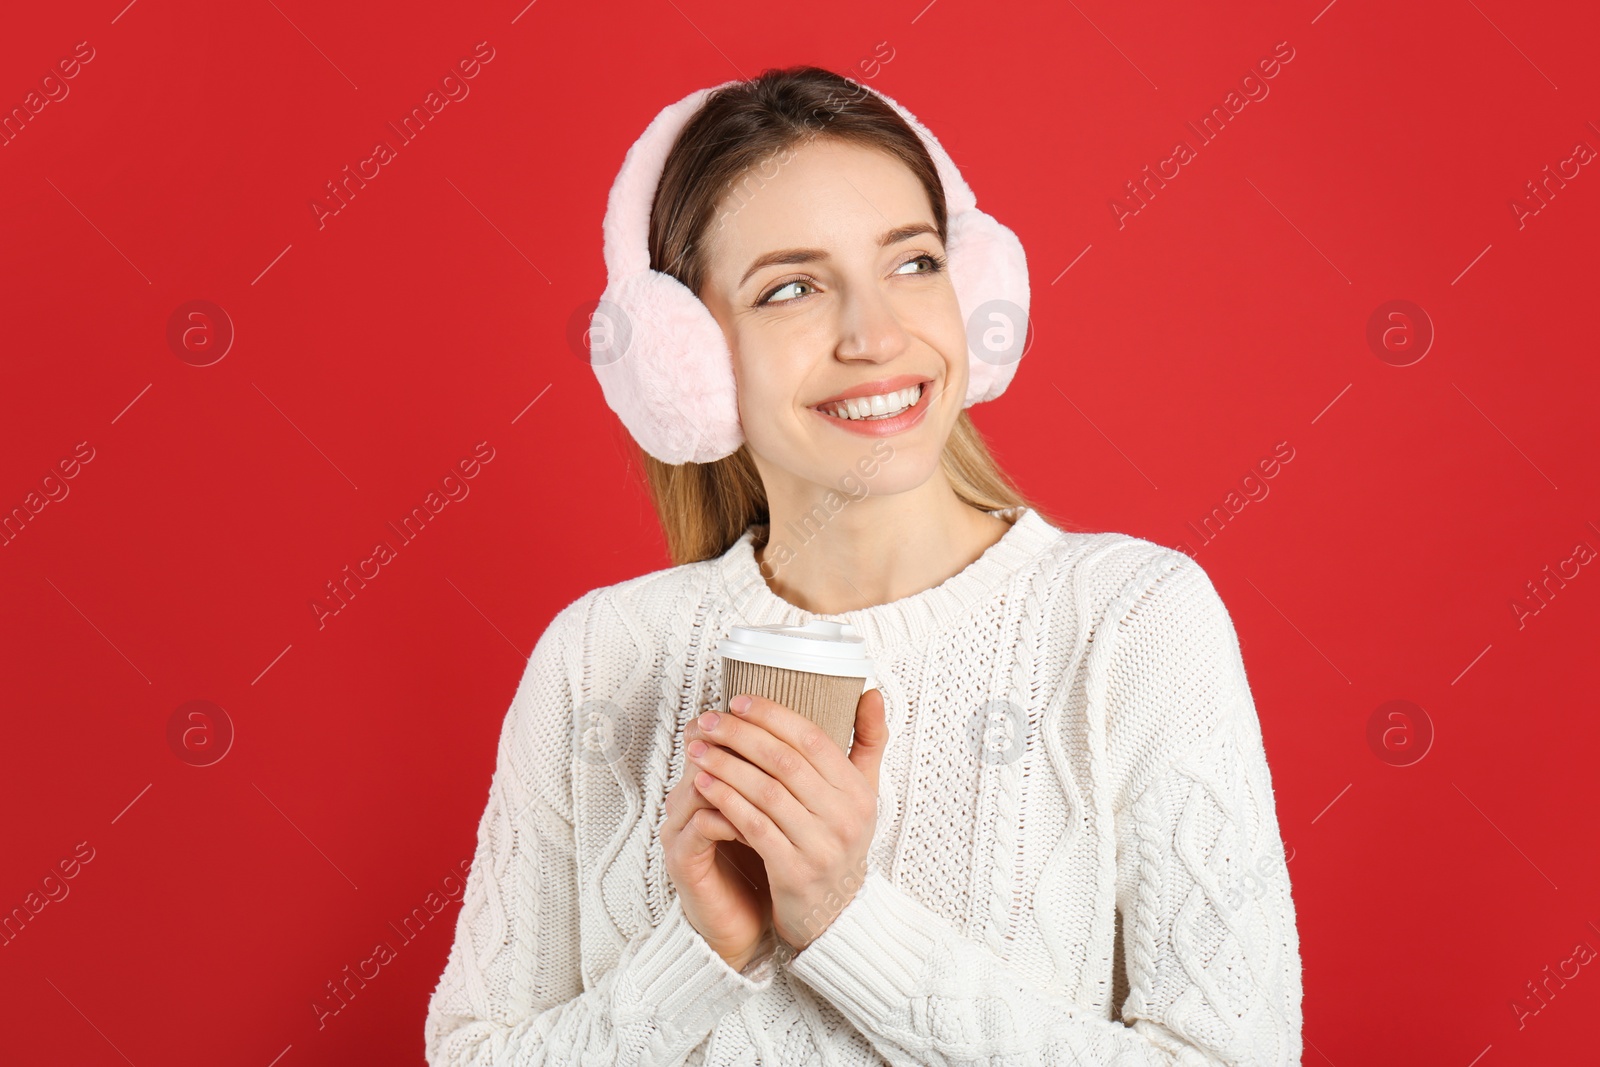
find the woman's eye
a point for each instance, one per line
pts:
(768, 299)
(933, 264)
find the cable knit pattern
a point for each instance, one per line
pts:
(1074, 760)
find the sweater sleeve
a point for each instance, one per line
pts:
(512, 990)
(1209, 938)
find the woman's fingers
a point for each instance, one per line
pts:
(787, 756)
(683, 800)
(752, 799)
(712, 826)
(762, 831)
(702, 830)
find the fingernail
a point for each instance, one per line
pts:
(697, 749)
(740, 703)
(709, 720)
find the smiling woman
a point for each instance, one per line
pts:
(1053, 839)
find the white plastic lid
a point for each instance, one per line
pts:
(820, 647)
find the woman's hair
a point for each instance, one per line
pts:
(705, 507)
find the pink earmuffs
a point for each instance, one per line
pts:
(661, 358)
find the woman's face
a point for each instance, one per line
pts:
(857, 302)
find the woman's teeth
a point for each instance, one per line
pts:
(883, 406)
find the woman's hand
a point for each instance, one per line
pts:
(789, 791)
(721, 882)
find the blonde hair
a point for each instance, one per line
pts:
(705, 507)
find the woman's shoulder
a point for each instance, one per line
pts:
(1110, 569)
(630, 615)
(1160, 601)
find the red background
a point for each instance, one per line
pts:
(374, 352)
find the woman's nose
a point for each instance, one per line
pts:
(870, 328)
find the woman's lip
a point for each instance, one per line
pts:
(885, 427)
(880, 387)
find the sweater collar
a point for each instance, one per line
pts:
(909, 618)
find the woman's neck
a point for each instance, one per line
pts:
(873, 549)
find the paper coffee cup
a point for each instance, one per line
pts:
(819, 670)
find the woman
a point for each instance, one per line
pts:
(1054, 838)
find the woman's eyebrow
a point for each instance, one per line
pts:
(786, 256)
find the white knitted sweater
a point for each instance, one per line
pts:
(1077, 858)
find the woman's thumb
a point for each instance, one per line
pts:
(872, 735)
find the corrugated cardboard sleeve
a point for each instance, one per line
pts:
(826, 699)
